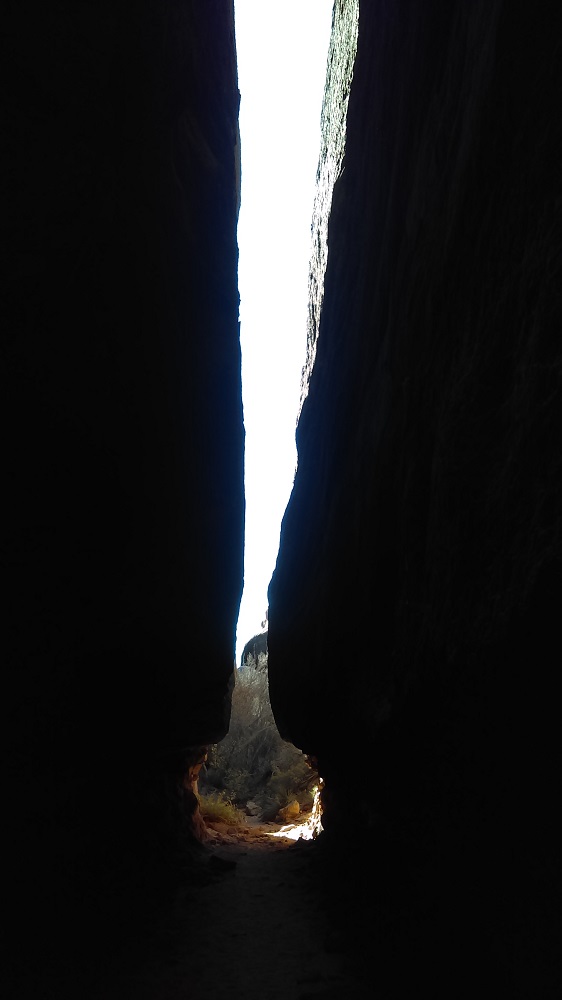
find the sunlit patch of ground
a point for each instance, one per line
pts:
(310, 827)
(255, 836)
(255, 833)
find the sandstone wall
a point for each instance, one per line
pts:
(413, 628)
(123, 414)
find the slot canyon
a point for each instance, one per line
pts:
(413, 631)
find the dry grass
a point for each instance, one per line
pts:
(216, 807)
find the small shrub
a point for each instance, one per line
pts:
(217, 808)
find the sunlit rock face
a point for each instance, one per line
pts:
(412, 614)
(123, 402)
(339, 72)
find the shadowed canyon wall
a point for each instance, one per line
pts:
(413, 613)
(123, 416)
(413, 622)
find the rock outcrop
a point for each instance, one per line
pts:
(256, 645)
(425, 515)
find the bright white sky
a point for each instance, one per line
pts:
(282, 51)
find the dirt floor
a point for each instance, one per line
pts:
(254, 916)
(249, 924)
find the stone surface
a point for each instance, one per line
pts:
(413, 635)
(413, 638)
(289, 812)
(123, 457)
(256, 645)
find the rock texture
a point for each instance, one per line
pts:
(413, 623)
(413, 629)
(256, 645)
(123, 418)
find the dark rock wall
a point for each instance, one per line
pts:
(413, 625)
(123, 418)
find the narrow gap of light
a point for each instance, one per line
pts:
(282, 53)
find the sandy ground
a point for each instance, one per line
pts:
(254, 927)
(251, 916)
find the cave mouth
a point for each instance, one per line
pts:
(254, 783)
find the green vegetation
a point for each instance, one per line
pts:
(253, 764)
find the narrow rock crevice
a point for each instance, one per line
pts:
(413, 620)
